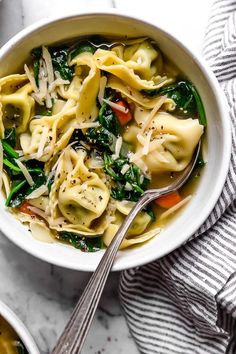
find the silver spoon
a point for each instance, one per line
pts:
(75, 332)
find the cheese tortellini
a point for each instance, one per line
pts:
(78, 195)
(139, 66)
(171, 144)
(17, 106)
(86, 130)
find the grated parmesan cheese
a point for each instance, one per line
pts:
(37, 99)
(87, 125)
(124, 169)
(25, 172)
(42, 88)
(103, 82)
(116, 106)
(95, 163)
(153, 112)
(37, 211)
(34, 155)
(48, 63)
(6, 183)
(58, 82)
(175, 207)
(117, 148)
(48, 101)
(31, 78)
(50, 176)
(128, 186)
(139, 61)
(38, 192)
(147, 143)
(42, 142)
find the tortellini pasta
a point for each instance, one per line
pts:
(78, 195)
(136, 97)
(48, 135)
(17, 105)
(136, 68)
(89, 75)
(87, 129)
(171, 143)
(140, 224)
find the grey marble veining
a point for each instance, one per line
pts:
(43, 295)
(10, 9)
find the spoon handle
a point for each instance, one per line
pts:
(74, 334)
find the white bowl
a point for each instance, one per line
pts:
(17, 50)
(19, 328)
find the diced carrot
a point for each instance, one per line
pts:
(24, 208)
(123, 117)
(169, 200)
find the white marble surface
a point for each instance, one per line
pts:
(44, 295)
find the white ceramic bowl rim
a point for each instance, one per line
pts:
(226, 137)
(19, 328)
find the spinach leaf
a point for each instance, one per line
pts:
(150, 212)
(15, 188)
(200, 161)
(59, 57)
(20, 187)
(89, 46)
(199, 105)
(101, 137)
(43, 111)
(85, 244)
(10, 137)
(36, 68)
(11, 166)
(13, 169)
(186, 97)
(60, 62)
(82, 47)
(133, 177)
(21, 348)
(8, 150)
(76, 137)
(108, 119)
(36, 54)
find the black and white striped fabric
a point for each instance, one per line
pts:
(186, 302)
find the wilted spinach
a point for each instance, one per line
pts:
(136, 181)
(36, 53)
(108, 119)
(59, 57)
(21, 348)
(85, 244)
(81, 47)
(10, 137)
(20, 188)
(186, 97)
(60, 62)
(101, 138)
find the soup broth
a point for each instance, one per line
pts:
(9, 341)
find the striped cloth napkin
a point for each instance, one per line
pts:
(186, 302)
